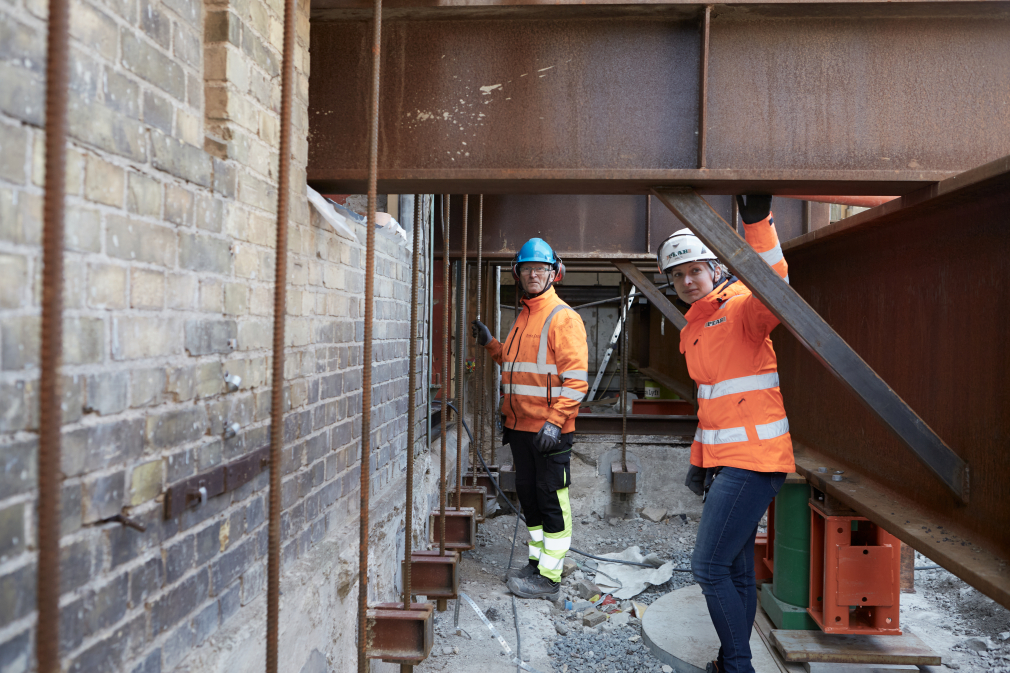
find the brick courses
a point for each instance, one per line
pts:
(171, 182)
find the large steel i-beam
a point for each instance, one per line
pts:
(793, 98)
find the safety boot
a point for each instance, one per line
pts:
(536, 586)
(528, 570)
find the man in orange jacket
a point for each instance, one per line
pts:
(544, 363)
(743, 432)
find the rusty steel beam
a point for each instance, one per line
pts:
(342, 10)
(927, 529)
(925, 314)
(802, 98)
(589, 229)
(638, 424)
(819, 338)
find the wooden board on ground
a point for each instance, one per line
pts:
(802, 646)
(763, 625)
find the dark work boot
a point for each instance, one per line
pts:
(536, 586)
(528, 570)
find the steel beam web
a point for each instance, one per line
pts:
(818, 337)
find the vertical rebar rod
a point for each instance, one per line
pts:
(280, 312)
(411, 400)
(47, 588)
(444, 413)
(625, 324)
(366, 355)
(484, 413)
(479, 353)
(496, 388)
(461, 355)
(429, 268)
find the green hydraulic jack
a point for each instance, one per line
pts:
(785, 598)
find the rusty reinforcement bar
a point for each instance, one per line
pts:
(365, 466)
(461, 355)
(280, 312)
(47, 588)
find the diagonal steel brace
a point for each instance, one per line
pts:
(652, 293)
(818, 337)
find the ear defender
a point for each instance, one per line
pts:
(559, 269)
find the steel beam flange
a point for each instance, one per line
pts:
(818, 337)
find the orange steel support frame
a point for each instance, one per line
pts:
(855, 577)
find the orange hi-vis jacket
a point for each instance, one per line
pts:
(544, 365)
(741, 419)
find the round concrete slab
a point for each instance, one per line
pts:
(679, 632)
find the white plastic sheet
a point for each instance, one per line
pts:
(336, 221)
(624, 581)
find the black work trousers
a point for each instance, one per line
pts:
(542, 483)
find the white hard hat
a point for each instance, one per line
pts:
(681, 247)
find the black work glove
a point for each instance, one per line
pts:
(696, 479)
(548, 438)
(480, 332)
(756, 208)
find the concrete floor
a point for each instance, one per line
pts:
(677, 630)
(944, 611)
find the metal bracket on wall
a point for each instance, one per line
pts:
(223, 478)
(818, 337)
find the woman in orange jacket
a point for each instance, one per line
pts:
(742, 450)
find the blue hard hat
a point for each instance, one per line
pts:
(536, 250)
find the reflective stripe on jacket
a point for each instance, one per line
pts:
(544, 365)
(741, 419)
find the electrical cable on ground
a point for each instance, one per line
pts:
(520, 516)
(519, 642)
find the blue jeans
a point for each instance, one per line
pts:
(723, 560)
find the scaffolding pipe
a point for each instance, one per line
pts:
(626, 313)
(47, 589)
(461, 357)
(444, 414)
(365, 467)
